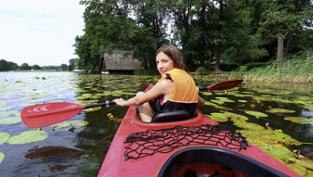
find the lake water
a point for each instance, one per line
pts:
(278, 119)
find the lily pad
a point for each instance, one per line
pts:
(256, 114)
(11, 120)
(219, 117)
(218, 101)
(3, 137)
(70, 124)
(302, 166)
(209, 103)
(225, 99)
(28, 137)
(300, 120)
(93, 109)
(8, 113)
(280, 152)
(280, 110)
(1, 157)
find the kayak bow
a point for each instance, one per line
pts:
(188, 148)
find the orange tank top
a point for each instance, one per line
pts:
(185, 89)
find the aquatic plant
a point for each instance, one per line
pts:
(3, 137)
(256, 114)
(29, 136)
(1, 157)
(68, 125)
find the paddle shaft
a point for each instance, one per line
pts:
(41, 115)
(105, 103)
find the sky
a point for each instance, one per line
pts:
(39, 32)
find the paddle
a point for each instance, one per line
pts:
(223, 85)
(41, 115)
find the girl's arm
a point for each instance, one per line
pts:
(163, 87)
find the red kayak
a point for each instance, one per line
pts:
(196, 147)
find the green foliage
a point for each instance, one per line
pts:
(235, 31)
(298, 64)
(229, 67)
(143, 72)
(25, 66)
(256, 65)
(201, 70)
(72, 64)
(7, 66)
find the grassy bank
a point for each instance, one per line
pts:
(294, 70)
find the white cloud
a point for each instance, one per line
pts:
(39, 32)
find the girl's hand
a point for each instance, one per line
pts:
(120, 101)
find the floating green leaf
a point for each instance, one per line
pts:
(8, 113)
(256, 114)
(1, 157)
(209, 103)
(300, 120)
(300, 164)
(279, 151)
(70, 124)
(3, 137)
(28, 137)
(11, 120)
(224, 99)
(219, 117)
(280, 110)
(92, 109)
(217, 101)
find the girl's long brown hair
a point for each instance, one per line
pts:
(173, 53)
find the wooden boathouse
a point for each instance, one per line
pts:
(119, 61)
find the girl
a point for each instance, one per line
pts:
(176, 90)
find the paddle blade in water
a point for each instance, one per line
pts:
(41, 115)
(224, 85)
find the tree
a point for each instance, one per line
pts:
(25, 66)
(7, 65)
(64, 67)
(108, 28)
(72, 64)
(36, 67)
(283, 19)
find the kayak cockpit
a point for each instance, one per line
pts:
(172, 116)
(172, 119)
(214, 162)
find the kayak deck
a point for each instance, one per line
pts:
(176, 161)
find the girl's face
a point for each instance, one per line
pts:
(164, 63)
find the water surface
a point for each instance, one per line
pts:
(277, 119)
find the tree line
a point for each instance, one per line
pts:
(207, 31)
(11, 66)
